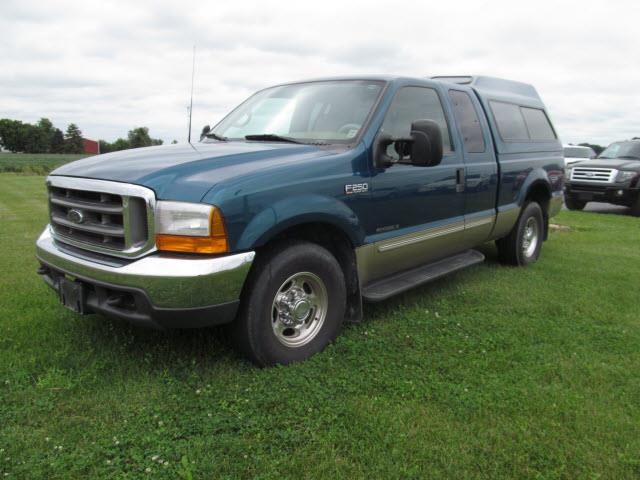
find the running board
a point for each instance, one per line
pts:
(400, 282)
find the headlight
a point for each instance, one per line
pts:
(623, 176)
(190, 227)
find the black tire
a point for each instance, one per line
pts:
(512, 249)
(253, 331)
(573, 203)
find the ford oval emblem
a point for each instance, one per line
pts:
(75, 216)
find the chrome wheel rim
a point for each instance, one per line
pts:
(530, 237)
(299, 309)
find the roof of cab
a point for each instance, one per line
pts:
(497, 88)
(487, 88)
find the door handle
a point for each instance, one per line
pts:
(460, 180)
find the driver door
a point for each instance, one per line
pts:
(418, 210)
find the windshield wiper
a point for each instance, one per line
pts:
(267, 137)
(630, 157)
(215, 136)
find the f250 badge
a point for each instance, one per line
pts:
(352, 188)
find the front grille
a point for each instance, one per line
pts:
(90, 217)
(593, 174)
(101, 216)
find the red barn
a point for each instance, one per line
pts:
(90, 146)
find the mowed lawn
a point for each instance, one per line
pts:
(494, 372)
(35, 163)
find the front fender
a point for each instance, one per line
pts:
(298, 210)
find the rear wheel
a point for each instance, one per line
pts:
(573, 203)
(522, 246)
(294, 305)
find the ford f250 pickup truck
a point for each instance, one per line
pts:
(613, 177)
(306, 200)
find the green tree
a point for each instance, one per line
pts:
(45, 131)
(174, 142)
(105, 147)
(13, 134)
(57, 141)
(73, 139)
(37, 138)
(120, 144)
(139, 137)
(34, 141)
(136, 138)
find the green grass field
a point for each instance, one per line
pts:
(34, 163)
(494, 372)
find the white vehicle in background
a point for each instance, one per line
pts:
(577, 153)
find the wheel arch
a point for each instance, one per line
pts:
(539, 191)
(334, 239)
(298, 210)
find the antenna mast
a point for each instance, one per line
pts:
(193, 70)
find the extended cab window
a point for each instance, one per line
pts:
(411, 104)
(521, 124)
(467, 118)
(537, 124)
(510, 121)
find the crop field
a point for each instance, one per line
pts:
(34, 163)
(493, 372)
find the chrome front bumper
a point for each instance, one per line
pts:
(173, 287)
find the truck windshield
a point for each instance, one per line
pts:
(629, 150)
(314, 112)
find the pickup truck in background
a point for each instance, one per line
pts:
(612, 177)
(306, 200)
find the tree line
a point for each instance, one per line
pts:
(43, 137)
(136, 138)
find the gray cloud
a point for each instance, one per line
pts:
(110, 66)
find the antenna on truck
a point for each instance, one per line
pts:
(193, 70)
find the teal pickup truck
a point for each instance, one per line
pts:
(306, 200)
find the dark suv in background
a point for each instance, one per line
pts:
(612, 177)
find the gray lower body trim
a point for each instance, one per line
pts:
(380, 259)
(478, 228)
(419, 237)
(505, 220)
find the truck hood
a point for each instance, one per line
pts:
(617, 163)
(188, 172)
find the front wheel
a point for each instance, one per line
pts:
(522, 246)
(293, 305)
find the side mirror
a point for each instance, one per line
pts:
(426, 147)
(206, 129)
(422, 148)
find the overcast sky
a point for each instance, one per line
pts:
(110, 66)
